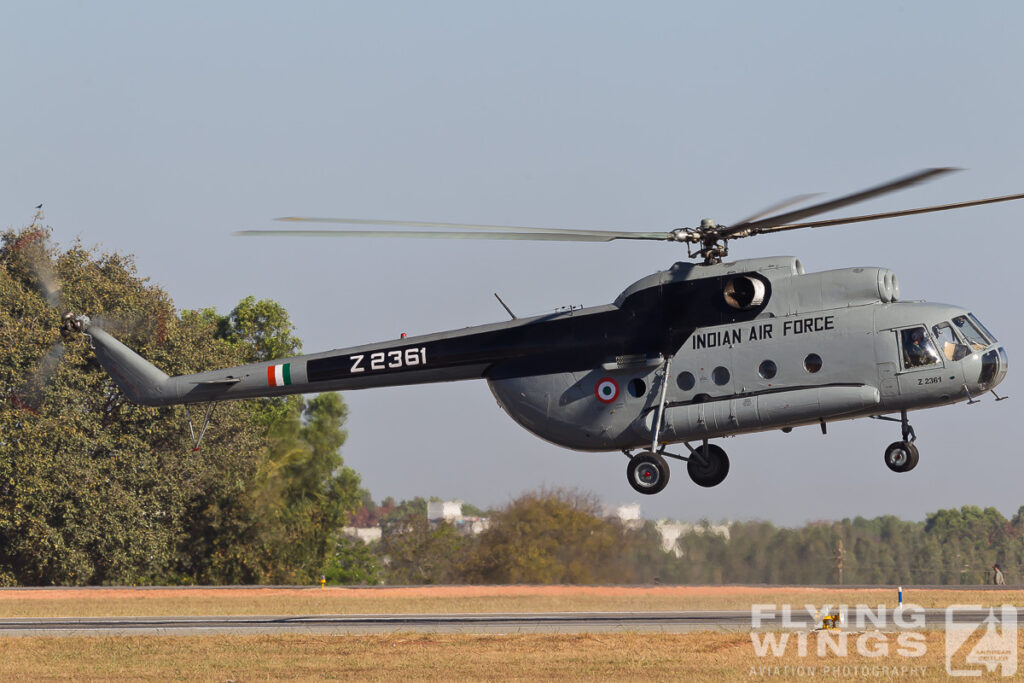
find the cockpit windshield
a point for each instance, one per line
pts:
(950, 344)
(972, 332)
(984, 330)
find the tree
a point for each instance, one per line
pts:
(552, 537)
(260, 331)
(94, 489)
(414, 552)
(353, 562)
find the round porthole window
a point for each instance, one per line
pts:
(686, 381)
(812, 363)
(767, 369)
(720, 375)
(637, 387)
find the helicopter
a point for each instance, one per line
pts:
(700, 351)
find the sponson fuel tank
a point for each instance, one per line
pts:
(760, 412)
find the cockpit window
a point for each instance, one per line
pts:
(918, 350)
(951, 346)
(975, 337)
(984, 330)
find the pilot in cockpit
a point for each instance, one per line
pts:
(917, 351)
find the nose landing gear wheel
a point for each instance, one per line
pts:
(647, 473)
(901, 456)
(708, 465)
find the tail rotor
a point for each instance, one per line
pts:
(30, 394)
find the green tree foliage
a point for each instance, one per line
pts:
(353, 562)
(260, 331)
(97, 490)
(415, 552)
(543, 537)
(563, 537)
(949, 547)
(261, 328)
(551, 537)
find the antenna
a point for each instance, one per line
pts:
(505, 306)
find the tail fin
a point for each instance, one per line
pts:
(140, 380)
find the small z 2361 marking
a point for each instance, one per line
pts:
(928, 380)
(388, 360)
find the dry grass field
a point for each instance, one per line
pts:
(410, 657)
(116, 602)
(701, 656)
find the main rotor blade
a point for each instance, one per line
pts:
(455, 226)
(891, 214)
(754, 227)
(778, 207)
(559, 236)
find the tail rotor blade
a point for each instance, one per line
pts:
(29, 395)
(42, 268)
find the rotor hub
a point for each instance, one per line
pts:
(72, 324)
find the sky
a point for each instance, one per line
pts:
(158, 129)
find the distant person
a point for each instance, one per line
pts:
(997, 576)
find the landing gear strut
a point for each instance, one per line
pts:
(902, 456)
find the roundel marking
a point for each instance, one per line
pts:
(607, 390)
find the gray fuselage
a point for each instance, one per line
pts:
(755, 375)
(733, 348)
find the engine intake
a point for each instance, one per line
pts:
(743, 292)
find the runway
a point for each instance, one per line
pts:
(564, 622)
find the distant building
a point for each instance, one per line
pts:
(450, 511)
(364, 534)
(628, 515)
(671, 530)
(444, 510)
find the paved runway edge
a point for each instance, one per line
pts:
(477, 623)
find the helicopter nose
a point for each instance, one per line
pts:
(1004, 365)
(994, 364)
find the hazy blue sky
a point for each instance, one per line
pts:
(157, 129)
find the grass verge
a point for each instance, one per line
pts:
(627, 656)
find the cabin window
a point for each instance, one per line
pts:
(720, 375)
(812, 363)
(767, 369)
(949, 343)
(918, 349)
(637, 387)
(686, 381)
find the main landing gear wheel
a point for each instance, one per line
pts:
(901, 456)
(647, 473)
(708, 465)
